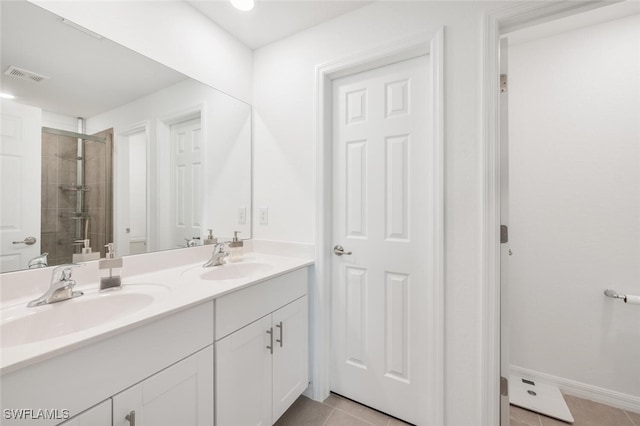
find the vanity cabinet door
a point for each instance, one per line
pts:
(100, 415)
(243, 376)
(291, 354)
(181, 394)
(263, 368)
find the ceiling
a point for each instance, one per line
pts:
(87, 75)
(272, 20)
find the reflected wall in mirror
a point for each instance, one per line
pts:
(105, 145)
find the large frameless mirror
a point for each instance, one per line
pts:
(101, 145)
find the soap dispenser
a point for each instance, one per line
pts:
(210, 238)
(236, 248)
(110, 270)
(86, 254)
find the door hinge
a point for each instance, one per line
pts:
(504, 234)
(504, 386)
(503, 83)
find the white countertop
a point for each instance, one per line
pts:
(183, 289)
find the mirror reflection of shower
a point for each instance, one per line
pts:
(77, 194)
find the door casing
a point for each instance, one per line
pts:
(428, 43)
(501, 21)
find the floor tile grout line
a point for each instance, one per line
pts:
(355, 416)
(633, 423)
(329, 416)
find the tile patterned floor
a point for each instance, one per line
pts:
(339, 411)
(585, 413)
(334, 411)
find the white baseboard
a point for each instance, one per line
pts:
(583, 390)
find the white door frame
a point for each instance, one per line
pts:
(500, 21)
(431, 43)
(121, 139)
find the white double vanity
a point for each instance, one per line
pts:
(178, 344)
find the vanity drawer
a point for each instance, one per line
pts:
(235, 310)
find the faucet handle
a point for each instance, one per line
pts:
(39, 261)
(64, 272)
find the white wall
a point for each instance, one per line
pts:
(170, 32)
(226, 133)
(574, 103)
(285, 156)
(59, 121)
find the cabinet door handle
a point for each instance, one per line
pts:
(131, 418)
(270, 333)
(281, 339)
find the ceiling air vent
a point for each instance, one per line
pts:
(25, 75)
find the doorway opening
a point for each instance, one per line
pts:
(570, 198)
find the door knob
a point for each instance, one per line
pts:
(339, 251)
(28, 241)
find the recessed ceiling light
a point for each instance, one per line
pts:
(243, 5)
(6, 96)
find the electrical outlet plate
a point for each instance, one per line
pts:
(263, 213)
(242, 215)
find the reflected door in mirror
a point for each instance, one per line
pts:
(20, 191)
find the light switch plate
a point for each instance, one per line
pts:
(263, 213)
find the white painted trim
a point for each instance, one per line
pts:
(528, 13)
(500, 21)
(594, 393)
(431, 43)
(120, 136)
(490, 214)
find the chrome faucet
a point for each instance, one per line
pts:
(39, 261)
(61, 287)
(193, 242)
(218, 255)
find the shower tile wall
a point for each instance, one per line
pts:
(59, 168)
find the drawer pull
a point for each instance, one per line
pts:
(131, 418)
(281, 339)
(270, 333)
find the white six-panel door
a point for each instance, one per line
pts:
(381, 212)
(186, 180)
(20, 169)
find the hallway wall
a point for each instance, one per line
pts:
(574, 105)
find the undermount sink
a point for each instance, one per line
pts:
(22, 325)
(229, 271)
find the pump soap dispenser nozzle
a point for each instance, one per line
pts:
(236, 248)
(110, 270)
(210, 238)
(86, 254)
